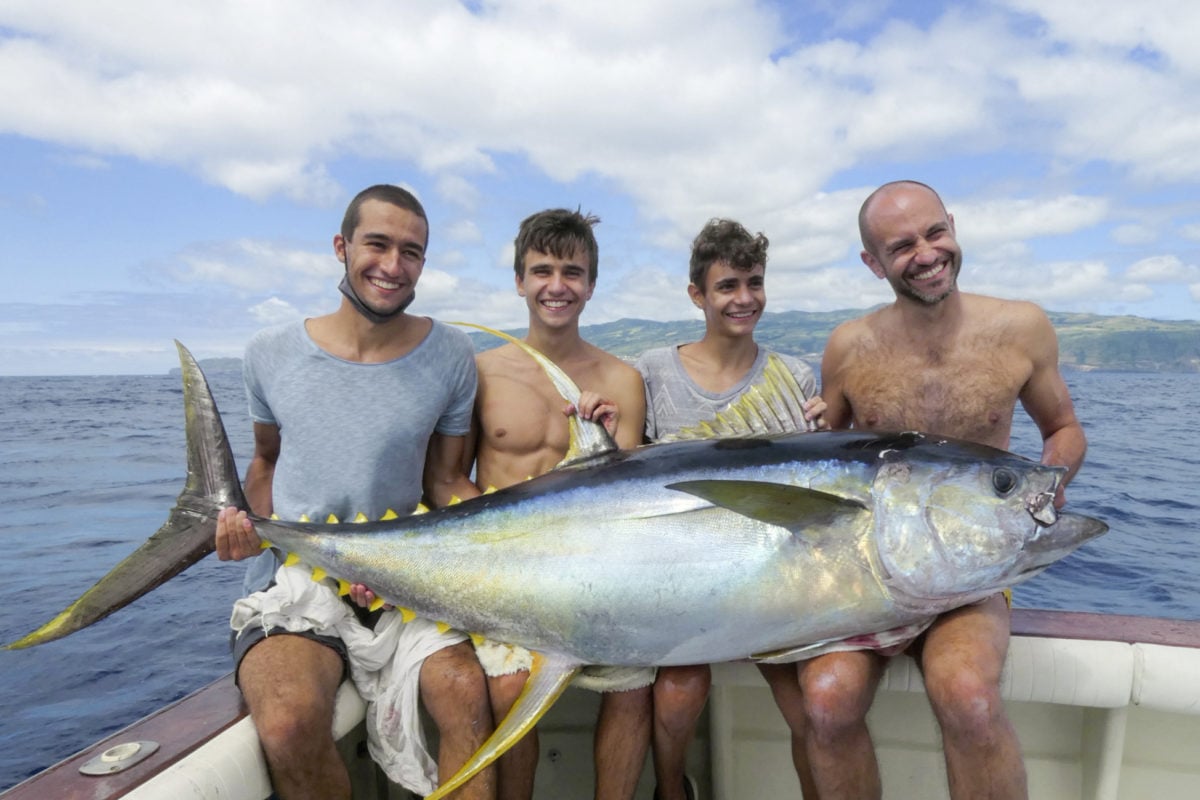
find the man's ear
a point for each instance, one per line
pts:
(339, 247)
(696, 295)
(520, 282)
(873, 264)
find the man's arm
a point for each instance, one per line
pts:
(236, 538)
(630, 395)
(1047, 400)
(444, 477)
(838, 413)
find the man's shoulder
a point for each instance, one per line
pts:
(503, 358)
(654, 358)
(278, 335)
(1021, 315)
(607, 370)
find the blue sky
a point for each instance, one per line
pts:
(177, 171)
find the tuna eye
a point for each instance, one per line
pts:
(1004, 481)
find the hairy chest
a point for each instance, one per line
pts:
(967, 389)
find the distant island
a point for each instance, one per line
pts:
(1086, 342)
(214, 365)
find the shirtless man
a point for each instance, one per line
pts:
(521, 430)
(955, 364)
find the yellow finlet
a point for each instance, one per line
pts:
(407, 615)
(454, 500)
(319, 574)
(331, 519)
(389, 514)
(442, 627)
(477, 638)
(265, 545)
(291, 560)
(361, 517)
(304, 518)
(343, 588)
(420, 509)
(274, 516)
(490, 489)
(377, 604)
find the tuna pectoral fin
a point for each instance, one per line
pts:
(791, 507)
(188, 534)
(548, 677)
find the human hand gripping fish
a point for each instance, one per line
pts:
(591, 406)
(237, 540)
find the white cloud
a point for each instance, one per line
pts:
(463, 231)
(991, 222)
(1162, 269)
(1134, 233)
(255, 266)
(274, 311)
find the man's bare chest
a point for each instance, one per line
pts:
(968, 393)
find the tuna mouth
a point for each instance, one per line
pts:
(1053, 542)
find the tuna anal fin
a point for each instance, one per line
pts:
(548, 678)
(791, 507)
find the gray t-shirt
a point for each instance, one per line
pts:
(353, 436)
(674, 401)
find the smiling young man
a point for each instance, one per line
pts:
(954, 364)
(520, 431)
(690, 384)
(360, 411)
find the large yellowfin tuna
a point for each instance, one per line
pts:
(767, 547)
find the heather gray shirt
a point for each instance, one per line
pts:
(675, 401)
(353, 436)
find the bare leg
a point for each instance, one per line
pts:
(679, 697)
(517, 767)
(962, 658)
(622, 739)
(784, 680)
(837, 692)
(454, 691)
(289, 684)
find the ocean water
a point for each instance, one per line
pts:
(89, 467)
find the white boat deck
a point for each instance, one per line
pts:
(1106, 708)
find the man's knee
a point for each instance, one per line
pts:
(965, 703)
(681, 691)
(454, 688)
(290, 684)
(835, 699)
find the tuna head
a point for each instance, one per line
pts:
(957, 521)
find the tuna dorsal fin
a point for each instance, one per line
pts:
(548, 678)
(793, 507)
(588, 439)
(772, 405)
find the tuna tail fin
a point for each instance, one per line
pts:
(588, 439)
(188, 534)
(548, 678)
